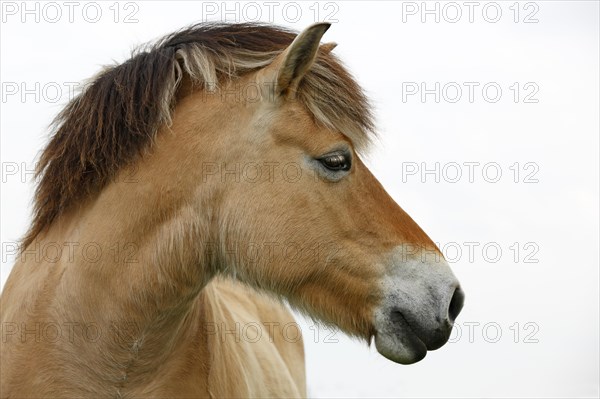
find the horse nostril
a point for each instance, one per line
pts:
(456, 304)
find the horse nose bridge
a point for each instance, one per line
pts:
(387, 218)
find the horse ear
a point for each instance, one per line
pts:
(298, 58)
(328, 47)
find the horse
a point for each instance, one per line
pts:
(186, 199)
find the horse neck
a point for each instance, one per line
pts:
(143, 291)
(147, 284)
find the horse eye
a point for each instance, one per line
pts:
(336, 162)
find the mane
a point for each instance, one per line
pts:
(115, 118)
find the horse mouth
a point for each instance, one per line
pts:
(398, 342)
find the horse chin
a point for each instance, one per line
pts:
(404, 349)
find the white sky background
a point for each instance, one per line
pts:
(556, 140)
